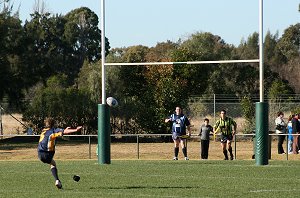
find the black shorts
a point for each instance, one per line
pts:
(46, 156)
(224, 138)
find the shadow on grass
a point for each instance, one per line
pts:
(143, 187)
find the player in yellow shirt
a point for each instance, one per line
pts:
(224, 125)
(46, 146)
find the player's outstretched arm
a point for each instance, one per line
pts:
(69, 130)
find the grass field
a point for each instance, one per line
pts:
(152, 178)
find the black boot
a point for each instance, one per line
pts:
(230, 151)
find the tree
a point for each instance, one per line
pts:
(45, 49)
(249, 49)
(235, 79)
(269, 49)
(11, 81)
(288, 44)
(243, 78)
(287, 56)
(67, 105)
(60, 44)
(83, 37)
(133, 76)
(277, 94)
(162, 52)
(279, 89)
(199, 47)
(248, 113)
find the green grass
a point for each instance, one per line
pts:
(135, 178)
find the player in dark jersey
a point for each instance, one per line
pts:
(224, 125)
(179, 125)
(46, 146)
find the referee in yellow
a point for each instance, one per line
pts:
(224, 125)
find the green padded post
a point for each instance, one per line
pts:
(104, 132)
(262, 133)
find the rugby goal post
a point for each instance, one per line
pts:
(262, 129)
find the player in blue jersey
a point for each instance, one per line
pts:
(179, 125)
(46, 146)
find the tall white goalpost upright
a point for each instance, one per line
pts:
(103, 109)
(103, 50)
(261, 107)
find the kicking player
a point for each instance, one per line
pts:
(179, 125)
(46, 146)
(224, 124)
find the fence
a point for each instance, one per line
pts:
(242, 146)
(198, 108)
(209, 106)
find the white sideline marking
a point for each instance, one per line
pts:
(147, 195)
(273, 190)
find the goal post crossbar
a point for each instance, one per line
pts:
(185, 63)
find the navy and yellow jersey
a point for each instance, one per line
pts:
(225, 126)
(179, 123)
(47, 139)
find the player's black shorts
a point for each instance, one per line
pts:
(224, 138)
(46, 156)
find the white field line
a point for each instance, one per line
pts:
(273, 190)
(147, 195)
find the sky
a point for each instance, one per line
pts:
(147, 22)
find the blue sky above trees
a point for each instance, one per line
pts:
(146, 22)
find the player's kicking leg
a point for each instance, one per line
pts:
(55, 175)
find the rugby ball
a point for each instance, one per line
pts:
(112, 102)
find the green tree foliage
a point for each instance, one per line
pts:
(11, 74)
(138, 92)
(67, 105)
(248, 109)
(89, 79)
(199, 47)
(237, 79)
(290, 73)
(279, 88)
(278, 94)
(249, 49)
(83, 35)
(269, 48)
(44, 47)
(287, 53)
(61, 44)
(288, 44)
